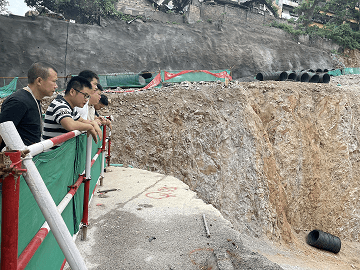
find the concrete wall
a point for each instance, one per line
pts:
(159, 41)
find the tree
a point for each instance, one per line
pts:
(3, 8)
(340, 20)
(343, 11)
(331, 11)
(306, 11)
(85, 11)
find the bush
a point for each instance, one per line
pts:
(340, 34)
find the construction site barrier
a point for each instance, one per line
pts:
(122, 80)
(184, 75)
(47, 183)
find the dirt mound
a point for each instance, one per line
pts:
(278, 159)
(269, 155)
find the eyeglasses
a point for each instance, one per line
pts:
(86, 95)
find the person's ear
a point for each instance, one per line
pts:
(38, 80)
(72, 92)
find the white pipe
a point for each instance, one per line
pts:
(88, 157)
(37, 148)
(40, 147)
(43, 198)
(102, 164)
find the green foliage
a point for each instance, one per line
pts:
(292, 21)
(288, 28)
(274, 8)
(340, 34)
(334, 15)
(84, 11)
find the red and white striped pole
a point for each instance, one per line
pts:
(85, 219)
(43, 198)
(37, 148)
(10, 213)
(109, 144)
(39, 237)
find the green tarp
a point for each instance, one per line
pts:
(346, 71)
(122, 81)
(197, 76)
(59, 169)
(8, 89)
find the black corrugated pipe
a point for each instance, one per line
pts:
(323, 240)
(311, 70)
(324, 78)
(318, 70)
(146, 74)
(302, 76)
(313, 77)
(326, 70)
(274, 76)
(291, 75)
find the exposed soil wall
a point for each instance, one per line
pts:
(275, 158)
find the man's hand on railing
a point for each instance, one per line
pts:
(97, 129)
(105, 121)
(93, 133)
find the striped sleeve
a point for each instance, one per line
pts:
(56, 111)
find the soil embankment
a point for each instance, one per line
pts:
(278, 159)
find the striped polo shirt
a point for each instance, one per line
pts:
(58, 109)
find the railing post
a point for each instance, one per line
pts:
(10, 212)
(109, 145)
(103, 156)
(44, 200)
(85, 219)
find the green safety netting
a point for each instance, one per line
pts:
(346, 71)
(59, 169)
(123, 80)
(7, 90)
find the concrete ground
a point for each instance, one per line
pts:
(145, 220)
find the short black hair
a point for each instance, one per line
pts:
(89, 75)
(104, 100)
(78, 83)
(39, 69)
(100, 87)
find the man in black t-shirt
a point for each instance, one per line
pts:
(23, 107)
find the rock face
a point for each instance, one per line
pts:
(274, 157)
(120, 47)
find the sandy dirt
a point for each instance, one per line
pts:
(289, 254)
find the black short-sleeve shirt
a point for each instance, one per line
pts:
(21, 108)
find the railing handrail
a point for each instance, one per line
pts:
(40, 147)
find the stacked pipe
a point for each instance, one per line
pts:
(310, 75)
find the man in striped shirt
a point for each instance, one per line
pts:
(61, 117)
